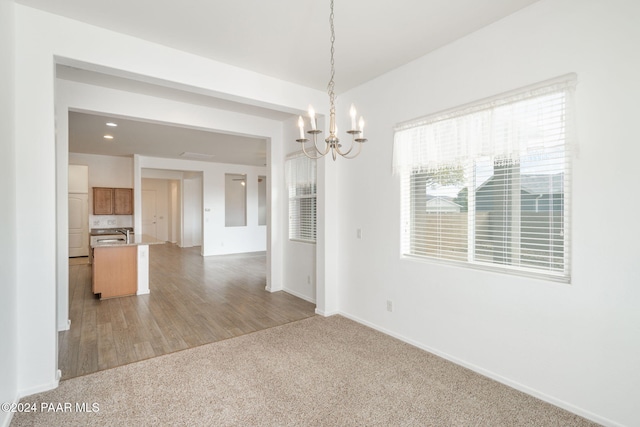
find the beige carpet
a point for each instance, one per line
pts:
(314, 372)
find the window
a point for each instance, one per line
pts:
(488, 184)
(235, 200)
(262, 200)
(301, 184)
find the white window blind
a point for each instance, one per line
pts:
(301, 184)
(488, 184)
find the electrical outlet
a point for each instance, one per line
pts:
(359, 233)
(308, 280)
(389, 305)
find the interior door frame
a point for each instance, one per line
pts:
(155, 214)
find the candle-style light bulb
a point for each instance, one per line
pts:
(301, 126)
(361, 124)
(353, 114)
(312, 117)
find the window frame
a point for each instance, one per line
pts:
(301, 183)
(408, 193)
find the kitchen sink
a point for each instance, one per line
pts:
(109, 231)
(111, 240)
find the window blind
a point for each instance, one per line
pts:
(488, 184)
(301, 185)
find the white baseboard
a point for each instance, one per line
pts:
(484, 372)
(41, 388)
(65, 326)
(328, 313)
(6, 417)
(272, 289)
(300, 295)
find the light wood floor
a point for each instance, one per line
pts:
(194, 300)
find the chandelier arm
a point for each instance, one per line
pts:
(304, 150)
(315, 145)
(346, 155)
(343, 154)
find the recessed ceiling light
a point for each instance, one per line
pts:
(108, 137)
(113, 125)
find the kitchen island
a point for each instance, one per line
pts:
(121, 267)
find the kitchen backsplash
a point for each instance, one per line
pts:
(110, 221)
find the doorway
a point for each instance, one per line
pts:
(171, 206)
(78, 225)
(149, 213)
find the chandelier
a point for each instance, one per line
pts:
(332, 143)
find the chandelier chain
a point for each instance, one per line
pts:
(331, 85)
(332, 141)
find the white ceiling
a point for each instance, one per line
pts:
(86, 135)
(289, 39)
(286, 39)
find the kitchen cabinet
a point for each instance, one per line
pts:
(120, 267)
(115, 271)
(123, 201)
(102, 201)
(112, 201)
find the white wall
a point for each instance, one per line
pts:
(41, 39)
(106, 171)
(78, 179)
(217, 238)
(8, 223)
(175, 225)
(192, 193)
(576, 345)
(35, 167)
(299, 258)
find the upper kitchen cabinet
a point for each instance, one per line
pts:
(123, 201)
(102, 201)
(112, 201)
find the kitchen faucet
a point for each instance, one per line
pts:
(125, 232)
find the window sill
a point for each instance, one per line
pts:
(311, 242)
(522, 272)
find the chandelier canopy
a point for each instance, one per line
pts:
(332, 143)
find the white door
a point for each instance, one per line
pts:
(149, 213)
(78, 224)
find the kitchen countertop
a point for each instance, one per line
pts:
(136, 240)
